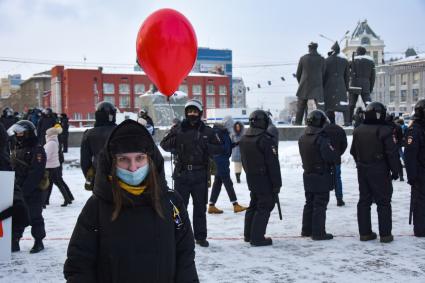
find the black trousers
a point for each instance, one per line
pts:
(418, 203)
(55, 177)
(374, 185)
(352, 100)
(314, 214)
(216, 188)
(257, 216)
(194, 183)
(64, 141)
(34, 203)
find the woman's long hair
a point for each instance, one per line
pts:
(153, 190)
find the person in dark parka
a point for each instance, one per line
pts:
(222, 174)
(260, 162)
(238, 132)
(414, 154)
(193, 143)
(28, 161)
(398, 138)
(7, 118)
(318, 156)
(4, 150)
(338, 139)
(362, 74)
(376, 155)
(48, 120)
(133, 228)
(63, 137)
(94, 139)
(310, 75)
(336, 82)
(358, 117)
(272, 130)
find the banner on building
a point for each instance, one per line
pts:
(6, 200)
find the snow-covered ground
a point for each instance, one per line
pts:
(229, 259)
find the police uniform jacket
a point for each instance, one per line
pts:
(414, 152)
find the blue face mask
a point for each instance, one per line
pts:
(133, 178)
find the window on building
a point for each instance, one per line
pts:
(223, 102)
(392, 96)
(403, 109)
(403, 95)
(416, 77)
(108, 88)
(139, 89)
(365, 40)
(78, 116)
(109, 98)
(375, 57)
(124, 88)
(392, 80)
(404, 78)
(391, 109)
(90, 116)
(210, 102)
(125, 101)
(196, 90)
(222, 90)
(136, 101)
(198, 97)
(415, 95)
(183, 88)
(210, 90)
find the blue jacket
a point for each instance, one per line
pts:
(222, 160)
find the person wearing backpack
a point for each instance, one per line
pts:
(133, 228)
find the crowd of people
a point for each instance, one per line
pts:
(131, 199)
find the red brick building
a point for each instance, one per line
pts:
(76, 91)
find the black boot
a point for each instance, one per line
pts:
(325, 236)
(238, 177)
(15, 245)
(386, 239)
(203, 243)
(38, 246)
(340, 202)
(370, 237)
(265, 242)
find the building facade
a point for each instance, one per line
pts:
(35, 88)
(238, 93)
(77, 91)
(400, 84)
(364, 36)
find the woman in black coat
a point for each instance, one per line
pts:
(133, 228)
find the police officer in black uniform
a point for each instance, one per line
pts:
(48, 120)
(414, 153)
(193, 143)
(362, 74)
(94, 139)
(318, 157)
(261, 163)
(376, 156)
(29, 162)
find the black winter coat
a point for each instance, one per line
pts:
(4, 150)
(310, 74)
(336, 83)
(92, 143)
(260, 161)
(338, 139)
(45, 123)
(139, 246)
(318, 155)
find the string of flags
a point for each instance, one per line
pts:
(268, 83)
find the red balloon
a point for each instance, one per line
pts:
(166, 49)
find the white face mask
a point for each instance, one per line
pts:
(133, 178)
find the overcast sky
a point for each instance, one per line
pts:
(258, 32)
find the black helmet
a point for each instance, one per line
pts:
(375, 111)
(361, 50)
(48, 111)
(259, 119)
(317, 118)
(7, 112)
(24, 131)
(420, 110)
(105, 112)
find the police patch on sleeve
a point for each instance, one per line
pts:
(409, 140)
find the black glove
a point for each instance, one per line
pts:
(276, 190)
(394, 176)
